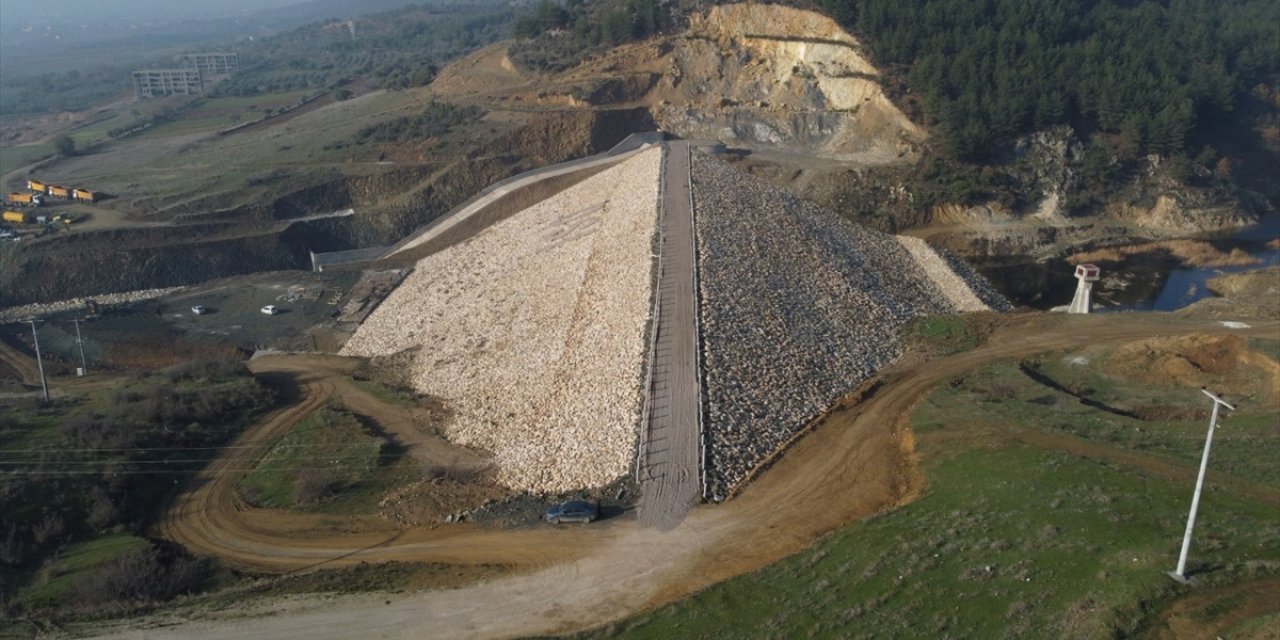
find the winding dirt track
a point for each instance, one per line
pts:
(858, 462)
(24, 367)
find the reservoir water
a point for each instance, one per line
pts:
(1153, 281)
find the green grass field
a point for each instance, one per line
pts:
(12, 157)
(327, 453)
(215, 114)
(947, 334)
(77, 562)
(1020, 532)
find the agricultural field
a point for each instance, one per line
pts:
(1055, 501)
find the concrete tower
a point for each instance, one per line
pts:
(1087, 274)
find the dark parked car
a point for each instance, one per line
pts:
(572, 511)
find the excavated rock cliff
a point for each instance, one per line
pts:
(757, 75)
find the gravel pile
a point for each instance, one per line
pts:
(980, 286)
(16, 314)
(798, 307)
(953, 287)
(534, 331)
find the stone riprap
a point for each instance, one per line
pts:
(980, 286)
(953, 287)
(534, 331)
(798, 307)
(37, 310)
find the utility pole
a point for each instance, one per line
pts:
(1179, 573)
(44, 386)
(84, 366)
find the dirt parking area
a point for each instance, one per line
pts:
(166, 331)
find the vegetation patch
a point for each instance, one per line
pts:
(113, 572)
(1017, 535)
(81, 476)
(436, 119)
(395, 49)
(327, 453)
(1149, 73)
(15, 157)
(554, 36)
(945, 334)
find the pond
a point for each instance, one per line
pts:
(1154, 281)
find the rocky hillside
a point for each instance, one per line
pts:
(769, 76)
(800, 95)
(766, 77)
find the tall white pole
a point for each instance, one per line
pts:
(1179, 574)
(84, 366)
(35, 337)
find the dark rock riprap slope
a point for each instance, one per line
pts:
(798, 307)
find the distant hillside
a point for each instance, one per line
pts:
(48, 65)
(396, 49)
(317, 10)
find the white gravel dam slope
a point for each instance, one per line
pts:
(533, 331)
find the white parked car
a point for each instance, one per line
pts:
(199, 309)
(270, 310)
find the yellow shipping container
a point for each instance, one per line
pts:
(15, 216)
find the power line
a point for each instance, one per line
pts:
(192, 461)
(179, 461)
(222, 448)
(139, 472)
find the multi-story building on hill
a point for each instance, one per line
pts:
(213, 63)
(197, 70)
(150, 83)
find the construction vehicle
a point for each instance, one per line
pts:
(36, 186)
(56, 191)
(16, 217)
(29, 199)
(65, 218)
(84, 195)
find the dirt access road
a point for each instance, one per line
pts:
(858, 462)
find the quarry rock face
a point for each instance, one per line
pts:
(767, 75)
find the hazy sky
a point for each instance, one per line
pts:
(16, 9)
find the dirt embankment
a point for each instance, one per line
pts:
(112, 261)
(1193, 253)
(557, 137)
(1254, 294)
(1225, 361)
(1262, 284)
